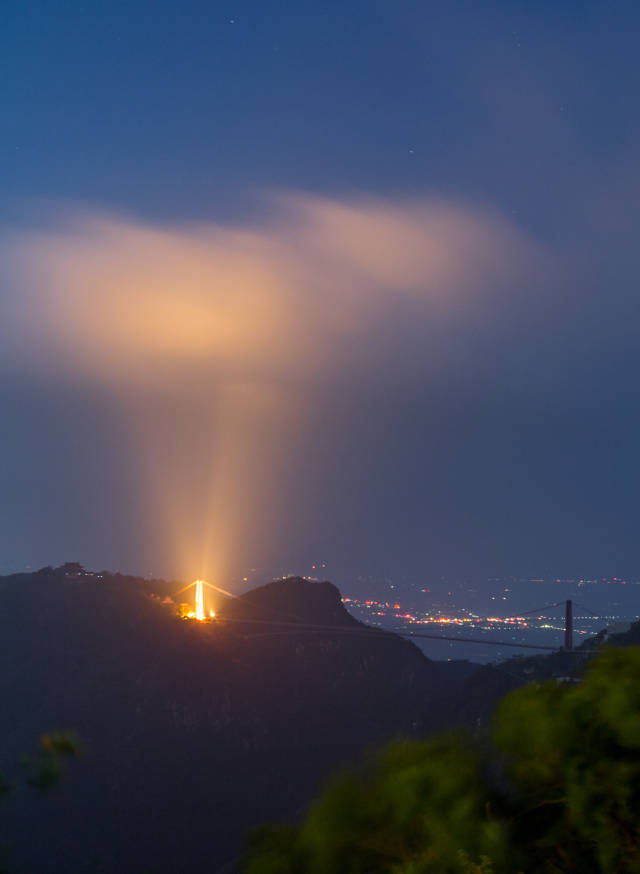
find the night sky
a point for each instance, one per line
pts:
(351, 282)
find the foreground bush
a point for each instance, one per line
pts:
(555, 789)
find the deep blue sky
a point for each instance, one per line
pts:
(522, 457)
(170, 108)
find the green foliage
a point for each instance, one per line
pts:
(42, 771)
(411, 814)
(574, 758)
(557, 790)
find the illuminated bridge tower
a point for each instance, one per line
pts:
(199, 600)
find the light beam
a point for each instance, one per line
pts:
(199, 600)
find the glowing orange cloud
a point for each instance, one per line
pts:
(121, 301)
(200, 330)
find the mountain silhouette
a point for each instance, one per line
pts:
(191, 732)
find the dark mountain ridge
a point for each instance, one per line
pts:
(293, 599)
(194, 732)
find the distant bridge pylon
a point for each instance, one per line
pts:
(568, 625)
(199, 596)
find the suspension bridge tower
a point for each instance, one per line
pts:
(568, 625)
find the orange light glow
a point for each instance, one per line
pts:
(198, 612)
(199, 600)
(205, 320)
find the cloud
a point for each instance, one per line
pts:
(213, 338)
(120, 301)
